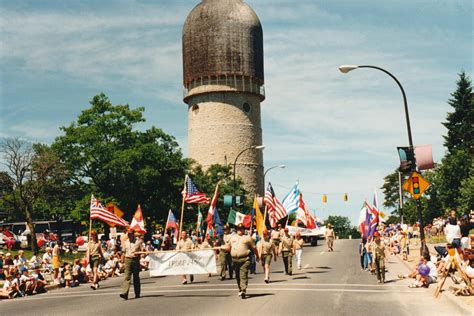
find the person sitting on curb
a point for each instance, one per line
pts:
(426, 273)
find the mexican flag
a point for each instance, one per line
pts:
(236, 218)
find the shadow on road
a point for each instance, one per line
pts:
(324, 267)
(276, 281)
(194, 295)
(300, 278)
(258, 295)
(151, 296)
(317, 272)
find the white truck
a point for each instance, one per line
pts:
(309, 235)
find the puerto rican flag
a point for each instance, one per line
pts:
(212, 208)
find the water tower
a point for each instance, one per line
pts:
(223, 87)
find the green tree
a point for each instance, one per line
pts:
(341, 224)
(32, 171)
(465, 200)
(105, 150)
(455, 168)
(460, 122)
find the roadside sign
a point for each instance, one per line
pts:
(416, 185)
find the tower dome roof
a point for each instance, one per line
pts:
(222, 37)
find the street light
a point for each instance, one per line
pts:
(259, 147)
(265, 173)
(345, 69)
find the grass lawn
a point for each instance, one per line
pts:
(65, 257)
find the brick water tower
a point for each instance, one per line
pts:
(223, 87)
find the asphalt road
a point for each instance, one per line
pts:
(330, 283)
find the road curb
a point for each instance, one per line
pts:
(450, 296)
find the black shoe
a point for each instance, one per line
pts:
(243, 296)
(267, 281)
(93, 287)
(290, 274)
(191, 278)
(222, 278)
(137, 296)
(124, 296)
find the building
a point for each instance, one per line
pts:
(223, 87)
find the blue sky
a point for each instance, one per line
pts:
(335, 133)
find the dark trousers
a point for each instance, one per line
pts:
(132, 267)
(241, 267)
(288, 261)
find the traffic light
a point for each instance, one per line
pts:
(325, 198)
(416, 184)
(345, 197)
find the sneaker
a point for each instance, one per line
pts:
(222, 278)
(93, 287)
(240, 293)
(184, 282)
(267, 281)
(401, 277)
(243, 295)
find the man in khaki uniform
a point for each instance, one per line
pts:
(225, 258)
(132, 245)
(185, 244)
(276, 236)
(240, 247)
(287, 250)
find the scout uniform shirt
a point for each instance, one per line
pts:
(94, 249)
(132, 248)
(240, 246)
(275, 235)
(286, 243)
(186, 244)
(267, 247)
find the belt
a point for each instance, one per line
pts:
(246, 256)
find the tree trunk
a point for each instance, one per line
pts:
(29, 222)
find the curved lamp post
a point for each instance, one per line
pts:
(345, 69)
(265, 173)
(259, 147)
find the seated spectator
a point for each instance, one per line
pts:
(9, 238)
(3, 276)
(20, 260)
(110, 266)
(8, 290)
(40, 283)
(1, 259)
(8, 261)
(26, 281)
(35, 261)
(47, 261)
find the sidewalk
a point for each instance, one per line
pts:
(466, 302)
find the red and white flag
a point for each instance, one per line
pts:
(138, 224)
(309, 220)
(191, 194)
(100, 212)
(212, 208)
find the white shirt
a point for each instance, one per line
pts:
(452, 231)
(433, 271)
(47, 257)
(7, 284)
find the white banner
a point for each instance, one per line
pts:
(307, 232)
(179, 263)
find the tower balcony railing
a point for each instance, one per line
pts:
(224, 83)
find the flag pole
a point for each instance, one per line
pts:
(198, 230)
(182, 209)
(265, 217)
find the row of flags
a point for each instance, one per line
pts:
(275, 210)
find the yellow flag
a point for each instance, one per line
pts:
(111, 207)
(259, 224)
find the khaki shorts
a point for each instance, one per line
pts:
(267, 259)
(94, 262)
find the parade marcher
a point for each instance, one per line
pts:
(276, 236)
(185, 244)
(56, 260)
(94, 255)
(225, 259)
(266, 250)
(330, 236)
(299, 242)
(362, 253)
(287, 250)
(206, 244)
(240, 246)
(132, 245)
(379, 257)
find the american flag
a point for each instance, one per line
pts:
(192, 195)
(100, 212)
(275, 209)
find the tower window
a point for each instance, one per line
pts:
(195, 109)
(246, 107)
